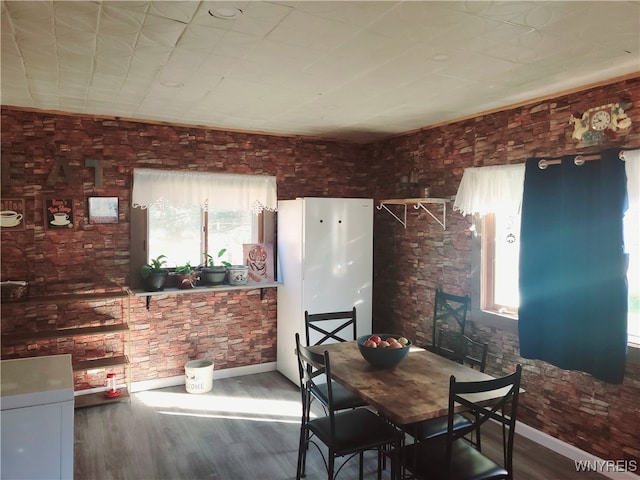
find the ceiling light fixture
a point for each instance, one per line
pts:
(225, 13)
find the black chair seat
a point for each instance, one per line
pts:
(437, 427)
(343, 399)
(468, 464)
(355, 430)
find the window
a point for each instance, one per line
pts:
(500, 247)
(182, 234)
(183, 214)
(500, 250)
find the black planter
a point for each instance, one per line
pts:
(213, 275)
(155, 281)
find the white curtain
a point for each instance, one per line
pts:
(222, 191)
(496, 189)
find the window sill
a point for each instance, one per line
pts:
(207, 289)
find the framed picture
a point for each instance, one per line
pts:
(103, 209)
(58, 213)
(259, 258)
(12, 214)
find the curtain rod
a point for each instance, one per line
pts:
(578, 160)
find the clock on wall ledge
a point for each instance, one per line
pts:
(601, 123)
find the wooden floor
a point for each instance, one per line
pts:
(246, 428)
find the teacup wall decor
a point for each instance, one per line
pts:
(58, 213)
(12, 214)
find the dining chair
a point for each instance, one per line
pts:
(344, 433)
(464, 350)
(451, 456)
(450, 310)
(337, 327)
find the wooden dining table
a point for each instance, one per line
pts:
(416, 389)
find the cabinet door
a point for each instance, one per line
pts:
(35, 442)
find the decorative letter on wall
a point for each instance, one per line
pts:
(99, 166)
(54, 176)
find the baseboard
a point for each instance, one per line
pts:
(179, 379)
(566, 450)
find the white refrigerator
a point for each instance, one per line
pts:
(325, 261)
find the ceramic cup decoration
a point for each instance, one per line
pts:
(238, 274)
(9, 218)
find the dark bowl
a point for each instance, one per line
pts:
(382, 357)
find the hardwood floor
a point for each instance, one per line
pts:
(246, 428)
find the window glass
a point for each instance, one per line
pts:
(182, 234)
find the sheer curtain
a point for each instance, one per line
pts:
(222, 191)
(572, 279)
(496, 189)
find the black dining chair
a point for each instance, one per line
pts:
(345, 433)
(451, 311)
(465, 350)
(450, 456)
(336, 327)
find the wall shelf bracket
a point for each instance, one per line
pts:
(383, 205)
(418, 203)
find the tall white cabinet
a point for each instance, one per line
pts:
(325, 261)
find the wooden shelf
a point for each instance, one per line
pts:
(205, 289)
(417, 203)
(66, 332)
(98, 363)
(98, 398)
(73, 297)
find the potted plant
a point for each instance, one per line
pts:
(186, 276)
(213, 274)
(154, 275)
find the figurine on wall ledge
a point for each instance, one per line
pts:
(601, 122)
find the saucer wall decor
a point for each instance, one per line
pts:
(60, 224)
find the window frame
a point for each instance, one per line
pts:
(265, 229)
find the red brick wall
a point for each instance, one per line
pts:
(238, 329)
(235, 329)
(597, 417)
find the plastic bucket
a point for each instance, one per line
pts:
(198, 376)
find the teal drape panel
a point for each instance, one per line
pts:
(573, 291)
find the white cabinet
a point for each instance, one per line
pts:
(325, 262)
(37, 418)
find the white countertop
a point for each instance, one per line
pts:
(35, 381)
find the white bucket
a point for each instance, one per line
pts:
(198, 376)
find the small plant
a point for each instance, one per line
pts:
(157, 265)
(210, 261)
(185, 269)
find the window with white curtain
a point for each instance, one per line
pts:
(493, 195)
(182, 215)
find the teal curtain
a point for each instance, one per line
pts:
(573, 290)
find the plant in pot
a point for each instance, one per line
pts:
(154, 275)
(213, 274)
(186, 276)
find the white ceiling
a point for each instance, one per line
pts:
(350, 70)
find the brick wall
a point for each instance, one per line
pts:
(594, 416)
(238, 328)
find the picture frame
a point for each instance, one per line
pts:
(12, 214)
(59, 213)
(259, 258)
(103, 210)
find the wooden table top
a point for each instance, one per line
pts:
(414, 390)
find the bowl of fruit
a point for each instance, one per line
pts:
(383, 350)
